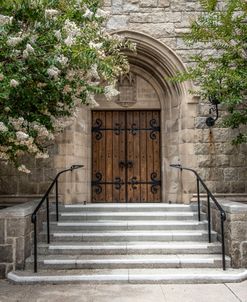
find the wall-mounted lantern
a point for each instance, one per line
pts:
(210, 121)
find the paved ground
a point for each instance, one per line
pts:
(233, 292)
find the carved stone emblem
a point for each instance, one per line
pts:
(127, 89)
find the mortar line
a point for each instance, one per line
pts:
(233, 292)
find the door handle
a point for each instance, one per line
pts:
(130, 164)
(122, 164)
(126, 164)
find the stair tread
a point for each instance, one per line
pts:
(131, 258)
(128, 222)
(131, 233)
(133, 243)
(152, 213)
(169, 275)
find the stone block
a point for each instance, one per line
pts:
(148, 3)
(8, 186)
(2, 231)
(2, 271)
(117, 22)
(163, 3)
(117, 6)
(238, 187)
(6, 253)
(222, 187)
(238, 230)
(244, 253)
(230, 174)
(19, 253)
(17, 227)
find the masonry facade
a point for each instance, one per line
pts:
(156, 27)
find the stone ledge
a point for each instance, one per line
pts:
(231, 207)
(21, 210)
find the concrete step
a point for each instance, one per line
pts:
(126, 216)
(127, 261)
(128, 236)
(127, 225)
(138, 276)
(127, 207)
(130, 248)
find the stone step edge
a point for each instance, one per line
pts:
(150, 244)
(126, 259)
(128, 276)
(128, 223)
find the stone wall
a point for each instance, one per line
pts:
(16, 236)
(235, 229)
(221, 165)
(185, 138)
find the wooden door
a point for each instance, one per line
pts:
(126, 156)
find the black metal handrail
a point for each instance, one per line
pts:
(43, 199)
(209, 196)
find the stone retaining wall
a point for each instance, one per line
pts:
(16, 236)
(235, 230)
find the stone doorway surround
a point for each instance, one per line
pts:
(150, 66)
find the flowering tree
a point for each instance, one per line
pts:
(54, 55)
(222, 73)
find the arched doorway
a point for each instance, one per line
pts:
(147, 88)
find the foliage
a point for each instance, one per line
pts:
(54, 55)
(222, 73)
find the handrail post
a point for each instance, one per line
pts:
(35, 242)
(209, 219)
(57, 218)
(48, 219)
(198, 199)
(223, 242)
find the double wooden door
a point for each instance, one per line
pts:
(126, 156)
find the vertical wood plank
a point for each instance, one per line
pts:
(157, 157)
(130, 151)
(108, 157)
(150, 156)
(122, 155)
(136, 157)
(143, 156)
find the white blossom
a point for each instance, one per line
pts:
(95, 45)
(24, 169)
(25, 54)
(71, 28)
(93, 72)
(5, 20)
(21, 136)
(14, 83)
(13, 41)
(51, 13)
(88, 13)
(69, 41)
(42, 155)
(53, 72)
(62, 60)
(3, 127)
(29, 48)
(110, 91)
(17, 123)
(4, 156)
(91, 100)
(58, 35)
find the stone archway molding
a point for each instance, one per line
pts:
(167, 63)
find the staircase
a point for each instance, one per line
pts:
(135, 243)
